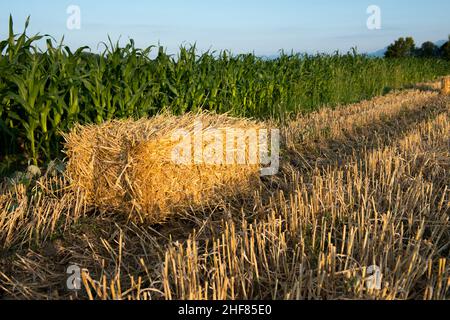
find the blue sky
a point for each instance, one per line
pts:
(259, 26)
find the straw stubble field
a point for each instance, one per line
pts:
(360, 187)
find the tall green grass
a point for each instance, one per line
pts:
(44, 92)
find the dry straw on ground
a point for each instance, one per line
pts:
(128, 165)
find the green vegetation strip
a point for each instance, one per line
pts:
(44, 93)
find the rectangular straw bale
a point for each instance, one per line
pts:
(127, 166)
(446, 85)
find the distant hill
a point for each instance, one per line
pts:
(440, 43)
(381, 52)
(378, 53)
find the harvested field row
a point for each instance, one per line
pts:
(331, 135)
(362, 188)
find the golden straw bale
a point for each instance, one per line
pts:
(128, 166)
(446, 85)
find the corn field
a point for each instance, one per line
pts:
(45, 92)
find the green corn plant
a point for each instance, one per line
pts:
(44, 93)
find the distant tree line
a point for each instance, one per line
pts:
(406, 47)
